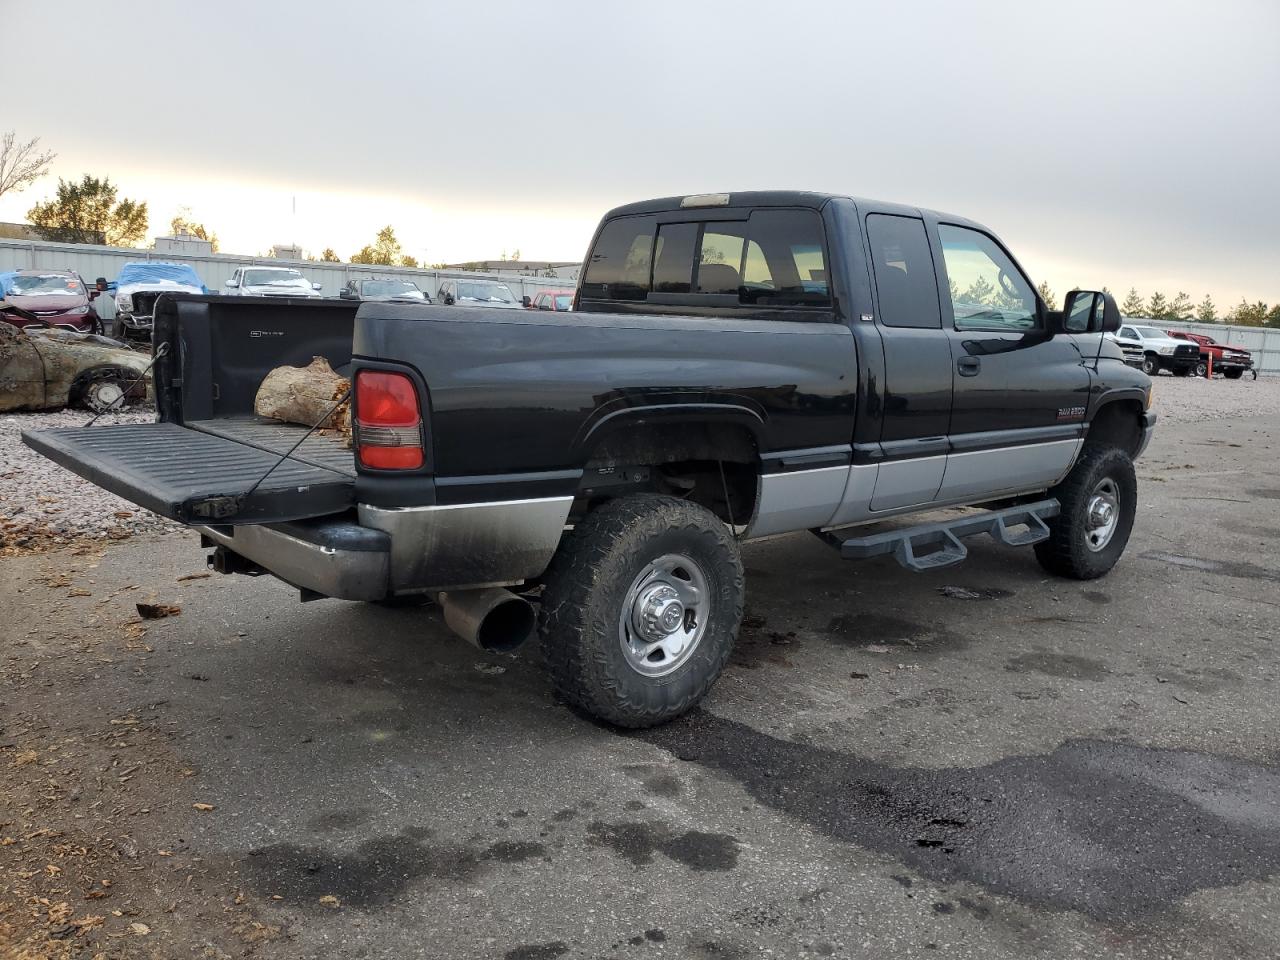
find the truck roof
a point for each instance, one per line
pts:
(776, 198)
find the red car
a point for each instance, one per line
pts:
(560, 300)
(1232, 361)
(57, 298)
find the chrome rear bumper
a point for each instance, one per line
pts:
(406, 550)
(334, 558)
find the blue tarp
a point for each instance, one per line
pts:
(5, 280)
(152, 270)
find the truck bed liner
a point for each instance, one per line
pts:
(321, 450)
(194, 476)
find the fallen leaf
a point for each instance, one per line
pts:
(78, 592)
(195, 576)
(204, 807)
(141, 929)
(25, 757)
(329, 900)
(89, 922)
(876, 648)
(157, 611)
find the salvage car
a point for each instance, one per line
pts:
(139, 285)
(561, 300)
(55, 298)
(383, 289)
(1231, 361)
(736, 366)
(270, 282)
(478, 293)
(50, 368)
(1159, 350)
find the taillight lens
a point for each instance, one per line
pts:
(388, 430)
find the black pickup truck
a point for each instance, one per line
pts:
(736, 366)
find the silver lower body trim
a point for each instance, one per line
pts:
(799, 500)
(469, 545)
(332, 571)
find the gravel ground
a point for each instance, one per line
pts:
(43, 506)
(1194, 400)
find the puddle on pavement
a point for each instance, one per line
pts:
(1111, 830)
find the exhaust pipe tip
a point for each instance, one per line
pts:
(491, 618)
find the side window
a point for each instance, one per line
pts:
(720, 258)
(987, 291)
(1128, 333)
(905, 281)
(620, 260)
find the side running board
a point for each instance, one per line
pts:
(933, 545)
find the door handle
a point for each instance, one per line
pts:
(969, 366)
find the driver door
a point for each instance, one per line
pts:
(1020, 391)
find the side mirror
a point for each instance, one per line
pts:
(316, 287)
(448, 299)
(231, 283)
(527, 301)
(1090, 311)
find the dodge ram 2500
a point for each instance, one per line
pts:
(736, 366)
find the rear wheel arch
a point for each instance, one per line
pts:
(714, 462)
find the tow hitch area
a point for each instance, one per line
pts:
(933, 545)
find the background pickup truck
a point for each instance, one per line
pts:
(1232, 361)
(736, 366)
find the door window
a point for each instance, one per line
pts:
(987, 291)
(905, 281)
(1128, 333)
(673, 259)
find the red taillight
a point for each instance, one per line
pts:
(388, 425)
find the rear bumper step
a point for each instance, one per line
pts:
(930, 546)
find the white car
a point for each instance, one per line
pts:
(1159, 350)
(270, 282)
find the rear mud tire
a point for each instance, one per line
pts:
(1067, 552)
(1150, 364)
(587, 594)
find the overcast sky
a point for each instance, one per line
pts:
(1112, 143)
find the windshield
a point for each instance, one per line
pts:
(46, 284)
(473, 290)
(564, 301)
(254, 278)
(1150, 332)
(391, 288)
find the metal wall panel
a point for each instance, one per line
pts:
(215, 270)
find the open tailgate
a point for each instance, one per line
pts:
(196, 477)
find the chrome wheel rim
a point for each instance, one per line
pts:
(664, 615)
(1102, 514)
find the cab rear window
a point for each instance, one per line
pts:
(773, 258)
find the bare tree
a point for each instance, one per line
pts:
(20, 164)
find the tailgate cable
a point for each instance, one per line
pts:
(288, 453)
(161, 351)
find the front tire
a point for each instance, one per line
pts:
(1202, 368)
(642, 604)
(1150, 364)
(1099, 500)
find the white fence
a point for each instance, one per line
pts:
(1262, 342)
(216, 269)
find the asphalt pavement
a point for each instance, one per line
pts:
(983, 761)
